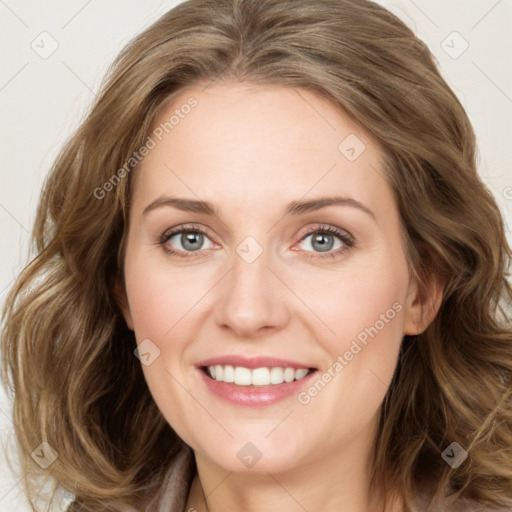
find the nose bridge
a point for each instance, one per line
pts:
(249, 299)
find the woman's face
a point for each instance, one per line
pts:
(290, 257)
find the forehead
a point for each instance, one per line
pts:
(254, 143)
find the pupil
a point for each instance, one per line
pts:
(325, 242)
(192, 241)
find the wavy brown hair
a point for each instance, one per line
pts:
(68, 356)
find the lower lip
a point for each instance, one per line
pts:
(254, 396)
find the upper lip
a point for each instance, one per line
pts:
(252, 362)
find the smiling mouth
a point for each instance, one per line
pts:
(264, 376)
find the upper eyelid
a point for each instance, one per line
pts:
(331, 230)
(184, 227)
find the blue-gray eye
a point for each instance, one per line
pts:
(322, 242)
(189, 240)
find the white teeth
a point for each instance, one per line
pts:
(229, 374)
(257, 377)
(276, 375)
(242, 376)
(260, 377)
(299, 374)
(289, 374)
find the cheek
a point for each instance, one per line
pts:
(368, 321)
(364, 309)
(161, 303)
(371, 307)
(361, 362)
(160, 296)
(364, 299)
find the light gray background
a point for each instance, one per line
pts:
(43, 99)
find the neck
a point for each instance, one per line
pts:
(334, 482)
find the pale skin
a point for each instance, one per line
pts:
(250, 150)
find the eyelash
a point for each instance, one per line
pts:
(347, 240)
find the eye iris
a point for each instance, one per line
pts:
(322, 242)
(191, 240)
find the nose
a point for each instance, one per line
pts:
(250, 300)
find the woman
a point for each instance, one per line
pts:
(268, 277)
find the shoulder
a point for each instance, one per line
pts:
(75, 506)
(460, 505)
(173, 493)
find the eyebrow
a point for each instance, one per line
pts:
(293, 208)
